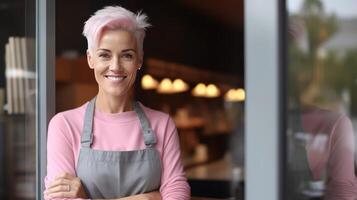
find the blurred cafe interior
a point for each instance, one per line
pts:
(193, 69)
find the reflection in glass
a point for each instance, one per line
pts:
(321, 101)
(17, 100)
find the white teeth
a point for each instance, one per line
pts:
(115, 78)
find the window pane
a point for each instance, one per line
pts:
(321, 99)
(17, 100)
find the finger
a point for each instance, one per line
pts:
(62, 195)
(59, 188)
(59, 181)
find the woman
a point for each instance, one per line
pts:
(322, 155)
(113, 147)
(321, 160)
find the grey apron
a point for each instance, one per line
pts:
(115, 174)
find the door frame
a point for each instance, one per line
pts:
(45, 85)
(264, 29)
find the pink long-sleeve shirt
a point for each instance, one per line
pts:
(116, 132)
(330, 151)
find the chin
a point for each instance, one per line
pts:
(119, 93)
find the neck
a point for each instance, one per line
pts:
(113, 104)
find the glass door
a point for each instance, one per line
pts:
(18, 99)
(26, 94)
(301, 99)
(321, 103)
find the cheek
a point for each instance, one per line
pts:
(133, 76)
(97, 76)
(98, 71)
(132, 70)
(98, 67)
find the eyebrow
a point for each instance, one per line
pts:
(125, 50)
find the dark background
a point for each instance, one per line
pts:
(204, 34)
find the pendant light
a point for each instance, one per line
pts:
(235, 95)
(165, 86)
(199, 90)
(212, 91)
(148, 82)
(179, 85)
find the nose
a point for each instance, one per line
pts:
(115, 65)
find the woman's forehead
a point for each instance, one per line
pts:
(117, 39)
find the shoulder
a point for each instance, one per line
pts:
(317, 120)
(157, 117)
(155, 114)
(343, 124)
(62, 119)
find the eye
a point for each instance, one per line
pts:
(104, 55)
(127, 56)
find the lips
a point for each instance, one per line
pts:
(115, 77)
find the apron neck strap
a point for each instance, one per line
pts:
(87, 136)
(148, 133)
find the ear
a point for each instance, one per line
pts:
(90, 59)
(140, 63)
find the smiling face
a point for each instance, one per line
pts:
(115, 62)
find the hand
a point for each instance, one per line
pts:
(152, 196)
(147, 196)
(66, 186)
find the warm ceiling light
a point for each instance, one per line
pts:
(179, 85)
(148, 82)
(229, 96)
(235, 95)
(199, 90)
(240, 94)
(212, 91)
(165, 86)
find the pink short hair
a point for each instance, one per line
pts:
(113, 18)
